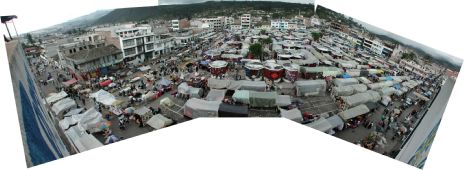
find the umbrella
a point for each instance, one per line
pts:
(129, 110)
(103, 125)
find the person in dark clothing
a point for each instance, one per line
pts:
(138, 119)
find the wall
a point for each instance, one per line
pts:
(41, 140)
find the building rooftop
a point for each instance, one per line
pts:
(93, 54)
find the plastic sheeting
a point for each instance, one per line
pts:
(253, 85)
(380, 85)
(81, 140)
(195, 108)
(345, 82)
(218, 84)
(387, 91)
(158, 121)
(326, 71)
(361, 98)
(89, 119)
(263, 99)
(54, 98)
(183, 88)
(63, 105)
(293, 114)
(195, 92)
(241, 96)
(310, 87)
(321, 125)
(354, 112)
(349, 90)
(227, 110)
(74, 112)
(283, 100)
(103, 97)
(216, 95)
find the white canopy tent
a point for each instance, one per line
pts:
(361, 98)
(63, 105)
(310, 87)
(354, 112)
(158, 121)
(195, 108)
(345, 82)
(293, 114)
(56, 97)
(283, 100)
(81, 140)
(103, 97)
(216, 95)
(325, 125)
(253, 85)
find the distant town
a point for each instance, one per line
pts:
(109, 82)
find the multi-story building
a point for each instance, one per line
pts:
(292, 25)
(93, 62)
(80, 43)
(375, 46)
(228, 21)
(175, 25)
(279, 24)
(143, 44)
(216, 23)
(245, 21)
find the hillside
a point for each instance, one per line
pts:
(79, 22)
(210, 9)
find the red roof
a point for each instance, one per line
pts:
(106, 83)
(69, 82)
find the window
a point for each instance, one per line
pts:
(128, 42)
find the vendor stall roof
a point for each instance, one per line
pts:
(218, 84)
(56, 97)
(69, 82)
(63, 105)
(216, 95)
(354, 112)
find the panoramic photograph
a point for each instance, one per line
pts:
(115, 74)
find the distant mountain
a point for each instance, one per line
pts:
(205, 9)
(79, 22)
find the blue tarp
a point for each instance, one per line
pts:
(204, 62)
(345, 76)
(389, 78)
(397, 86)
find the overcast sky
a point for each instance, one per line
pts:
(34, 15)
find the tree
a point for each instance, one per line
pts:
(316, 35)
(262, 32)
(29, 38)
(256, 50)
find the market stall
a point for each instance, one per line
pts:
(293, 114)
(354, 112)
(218, 84)
(349, 90)
(310, 87)
(195, 108)
(56, 97)
(359, 98)
(159, 121)
(63, 105)
(263, 99)
(216, 95)
(228, 110)
(345, 81)
(253, 85)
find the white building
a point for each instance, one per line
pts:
(216, 23)
(175, 25)
(279, 24)
(139, 44)
(228, 21)
(245, 21)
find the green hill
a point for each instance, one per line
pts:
(210, 9)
